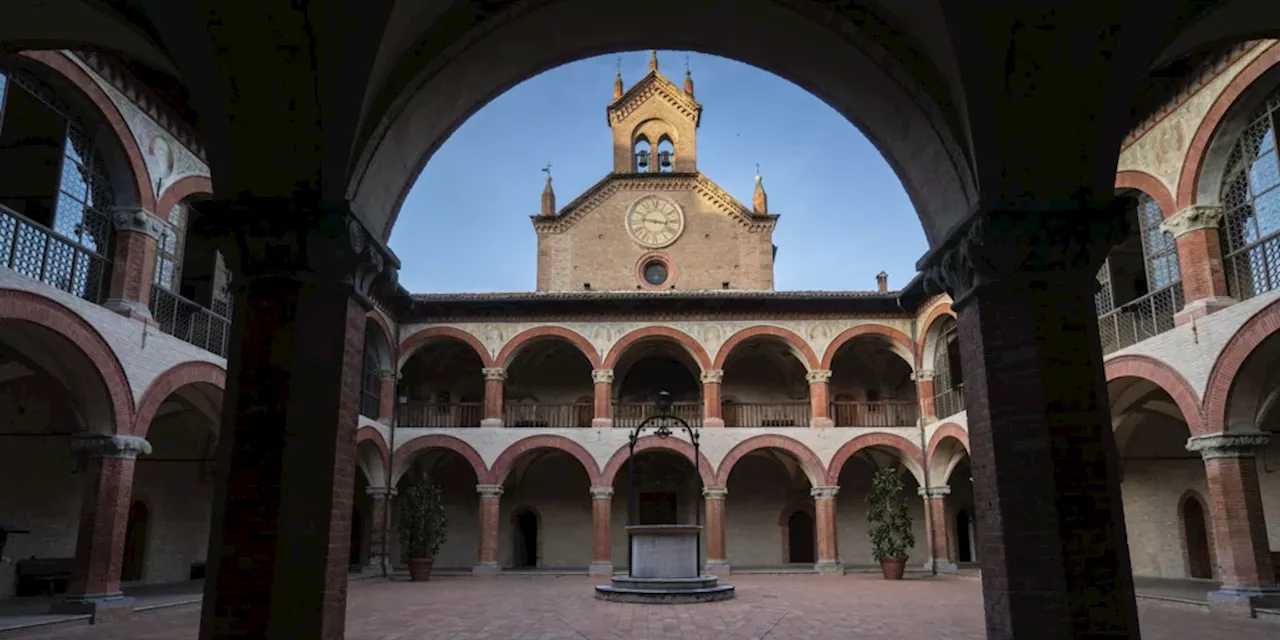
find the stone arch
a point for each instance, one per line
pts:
(928, 344)
(1229, 365)
(372, 435)
(404, 454)
(686, 341)
(900, 341)
(388, 337)
(180, 190)
(38, 310)
(1165, 377)
(909, 452)
(799, 347)
(1150, 185)
(652, 443)
(943, 455)
(176, 377)
(948, 430)
(522, 339)
(415, 341)
(501, 466)
(809, 461)
(1191, 495)
(1211, 143)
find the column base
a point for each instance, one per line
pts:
(486, 569)
(941, 566)
(829, 566)
(602, 423)
(491, 422)
(713, 423)
(719, 568)
(1243, 602)
(105, 607)
(1201, 308)
(600, 569)
(822, 423)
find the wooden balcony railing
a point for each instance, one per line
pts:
(765, 414)
(888, 413)
(547, 415)
(631, 414)
(440, 415)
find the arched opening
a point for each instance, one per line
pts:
(546, 511)
(1140, 283)
(137, 527)
(801, 538)
(456, 479)
(547, 381)
(765, 381)
(443, 385)
(191, 298)
(1250, 199)
(524, 549)
(648, 367)
(355, 555)
(1195, 535)
(376, 359)
(965, 549)
(666, 492)
(642, 152)
(871, 385)
(666, 155)
(949, 467)
(854, 480)
(948, 376)
(762, 484)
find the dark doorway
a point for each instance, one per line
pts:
(1197, 537)
(135, 543)
(800, 537)
(963, 543)
(658, 508)
(526, 547)
(357, 538)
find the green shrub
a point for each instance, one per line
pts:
(422, 520)
(891, 534)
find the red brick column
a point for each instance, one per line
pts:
(1204, 282)
(1239, 530)
(925, 390)
(494, 377)
(1055, 554)
(107, 469)
(133, 264)
(490, 499)
(280, 537)
(824, 511)
(935, 504)
(603, 379)
(711, 405)
(714, 498)
(601, 531)
(819, 398)
(386, 395)
(379, 551)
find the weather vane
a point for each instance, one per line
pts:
(757, 168)
(686, 64)
(619, 65)
(547, 169)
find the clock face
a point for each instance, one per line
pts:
(654, 222)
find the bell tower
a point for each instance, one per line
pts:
(655, 124)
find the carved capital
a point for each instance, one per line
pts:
(713, 376)
(1193, 218)
(137, 220)
(1243, 444)
(1066, 247)
(923, 375)
(715, 493)
(494, 373)
(601, 493)
(97, 446)
(818, 375)
(602, 376)
(824, 493)
(381, 493)
(489, 490)
(387, 374)
(934, 492)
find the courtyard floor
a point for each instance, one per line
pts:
(767, 606)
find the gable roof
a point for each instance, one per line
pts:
(653, 85)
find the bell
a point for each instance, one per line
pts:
(666, 159)
(644, 159)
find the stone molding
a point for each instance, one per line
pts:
(715, 493)
(1228, 445)
(713, 376)
(601, 493)
(381, 493)
(818, 375)
(923, 375)
(1193, 218)
(934, 492)
(824, 493)
(489, 490)
(602, 376)
(98, 446)
(494, 373)
(137, 220)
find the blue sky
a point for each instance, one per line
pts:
(845, 216)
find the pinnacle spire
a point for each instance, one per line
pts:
(617, 81)
(653, 59)
(759, 199)
(548, 195)
(688, 78)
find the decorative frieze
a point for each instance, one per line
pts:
(602, 376)
(1245, 444)
(818, 375)
(104, 446)
(824, 493)
(489, 490)
(1193, 218)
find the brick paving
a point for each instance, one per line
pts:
(774, 607)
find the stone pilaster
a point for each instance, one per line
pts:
(819, 398)
(603, 380)
(487, 562)
(494, 379)
(925, 390)
(935, 504)
(714, 498)
(386, 395)
(133, 264)
(824, 510)
(1204, 282)
(711, 405)
(379, 547)
(601, 531)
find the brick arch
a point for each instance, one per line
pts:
(180, 190)
(801, 348)
(808, 460)
(388, 336)
(1193, 163)
(690, 345)
(1190, 495)
(1231, 359)
(948, 430)
(370, 434)
(935, 314)
(1165, 377)
(1150, 185)
(903, 446)
(502, 466)
(176, 377)
(652, 443)
(415, 341)
(63, 66)
(523, 338)
(405, 453)
(897, 338)
(41, 311)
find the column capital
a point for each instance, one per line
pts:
(101, 446)
(601, 493)
(818, 375)
(934, 492)
(381, 493)
(1010, 245)
(494, 373)
(489, 490)
(137, 220)
(923, 375)
(1243, 444)
(715, 493)
(824, 493)
(387, 374)
(713, 376)
(602, 376)
(1193, 218)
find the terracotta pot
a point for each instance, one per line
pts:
(420, 569)
(893, 567)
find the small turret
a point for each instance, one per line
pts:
(548, 196)
(759, 200)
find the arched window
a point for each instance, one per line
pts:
(948, 378)
(666, 155)
(168, 272)
(371, 375)
(1140, 284)
(1250, 195)
(643, 155)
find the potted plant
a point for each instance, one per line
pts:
(891, 534)
(421, 526)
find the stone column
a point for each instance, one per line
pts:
(711, 406)
(487, 560)
(1055, 554)
(601, 531)
(603, 379)
(280, 530)
(935, 504)
(1239, 530)
(824, 511)
(386, 395)
(493, 383)
(1204, 281)
(133, 264)
(106, 466)
(819, 398)
(379, 550)
(714, 498)
(925, 390)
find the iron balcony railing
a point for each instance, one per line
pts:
(948, 402)
(887, 413)
(523, 415)
(629, 415)
(35, 251)
(1254, 269)
(189, 321)
(1142, 318)
(765, 414)
(439, 415)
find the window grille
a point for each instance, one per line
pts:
(1250, 196)
(371, 384)
(168, 272)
